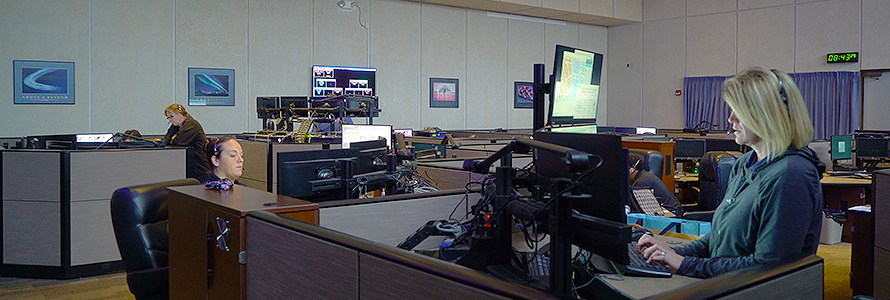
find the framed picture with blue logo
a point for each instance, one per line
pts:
(43, 82)
(211, 87)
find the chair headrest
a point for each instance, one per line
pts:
(712, 160)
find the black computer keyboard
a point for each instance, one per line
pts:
(539, 266)
(639, 267)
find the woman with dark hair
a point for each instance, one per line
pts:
(773, 204)
(186, 131)
(226, 158)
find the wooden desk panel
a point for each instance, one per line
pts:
(199, 267)
(667, 150)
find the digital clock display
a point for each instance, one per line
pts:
(848, 57)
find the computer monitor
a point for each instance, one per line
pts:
(576, 81)
(360, 133)
(264, 103)
(330, 81)
(404, 132)
(290, 103)
(299, 172)
(608, 184)
(721, 145)
(689, 149)
(871, 147)
(93, 138)
(841, 147)
(370, 155)
(645, 130)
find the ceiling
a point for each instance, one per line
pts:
(538, 11)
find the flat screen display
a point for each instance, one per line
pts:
(576, 85)
(93, 138)
(329, 81)
(363, 133)
(841, 147)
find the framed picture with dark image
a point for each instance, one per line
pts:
(211, 87)
(444, 92)
(43, 82)
(523, 94)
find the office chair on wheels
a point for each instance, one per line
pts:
(713, 179)
(139, 218)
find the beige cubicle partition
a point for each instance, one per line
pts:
(56, 206)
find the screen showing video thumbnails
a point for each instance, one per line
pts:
(330, 81)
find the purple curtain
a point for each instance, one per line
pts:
(704, 104)
(831, 97)
(833, 101)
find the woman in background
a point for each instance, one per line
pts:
(226, 160)
(773, 204)
(186, 131)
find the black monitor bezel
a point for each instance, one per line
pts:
(557, 72)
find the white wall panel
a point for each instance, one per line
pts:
(338, 38)
(132, 62)
(487, 105)
(711, 45)
(624, 103)
(654, 10)
(47, 30)
(444, 50)
(825, 27)
(597, 7)
(751, 4)
(628, 9)
(766, 38)
(525, 47)
(875, 53)
(279, 50)
(704, 7)
(396, 53)
(212, 34)
(663, 71)
(875, 112)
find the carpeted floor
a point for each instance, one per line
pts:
(837, 270)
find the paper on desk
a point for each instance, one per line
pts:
(862, 208)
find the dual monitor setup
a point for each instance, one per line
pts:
(870, 148)
(363, 163)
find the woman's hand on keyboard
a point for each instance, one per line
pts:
(658, 252)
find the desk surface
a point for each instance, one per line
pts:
(844, 180)
(241, 200)
(826, 180)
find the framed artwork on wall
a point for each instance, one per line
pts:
(444, 92)
(523, 94)
(211, 87)
(43, 82)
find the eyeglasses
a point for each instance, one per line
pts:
(170, 117)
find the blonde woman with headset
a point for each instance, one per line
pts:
(773, 204)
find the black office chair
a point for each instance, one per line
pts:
(652, 161)
(139, 218)
(713, 179)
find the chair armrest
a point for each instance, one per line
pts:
(699, 215)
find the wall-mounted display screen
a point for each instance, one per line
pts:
(328, 81)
